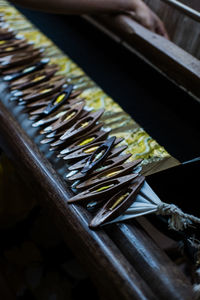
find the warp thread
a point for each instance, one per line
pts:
(196, 289)
(196, 286)
(195, 243)
(178, 219)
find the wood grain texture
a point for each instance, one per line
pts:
(183, 30)
(184, 9)
(109, 259)
(105, 263)
(195, 4)
(178, 65)
(152, 264)
(5, 291)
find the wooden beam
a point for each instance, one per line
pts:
(169, 59)
(5, 291)
(108, 265)
(185, 9)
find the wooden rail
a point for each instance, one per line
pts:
(123, 261)
(5, 291)
(172, 61)
(188, 11)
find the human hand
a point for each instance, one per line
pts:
(136, 8)
(146, 17)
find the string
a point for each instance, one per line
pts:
(178, 219)
(196, 286)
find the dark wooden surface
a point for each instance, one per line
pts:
(112, 265)
(174, 62)
(5, 291)
(183, 28)
(165, 111)
(192, 3)
(100, 256)
(150, 262)
(122, 260)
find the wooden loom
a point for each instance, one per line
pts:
(113, 257)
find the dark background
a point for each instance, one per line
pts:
(166, 112)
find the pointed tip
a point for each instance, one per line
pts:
(63, 137)
(37, 124)
(45, 60)
(70, 201)
(12, 98)
(54, 144)
(7, 77)
(94, 226)
(47, 129)
(50, 135)
(45, 141)
(63, 152)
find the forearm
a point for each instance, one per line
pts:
(79, 6)
(136, 8)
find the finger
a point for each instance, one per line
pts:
(160, 29)
(143, 20)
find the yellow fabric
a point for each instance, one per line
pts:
(15, 200)
(140, 144)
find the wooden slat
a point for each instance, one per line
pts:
(164, 278)
(109, 267)
(5, 291)
(185, 9)
(195, 4)
(183, 30)
(105, 263)
(175, 63)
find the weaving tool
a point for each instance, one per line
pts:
(73, 141)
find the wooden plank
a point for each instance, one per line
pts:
(178, 65)
(5, 292)
(195, 4)
(107, 265)
(185, 9)
(131, 240)
(183, 30)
